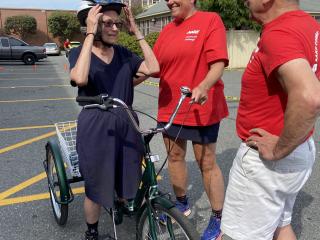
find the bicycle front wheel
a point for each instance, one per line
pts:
(167, 223)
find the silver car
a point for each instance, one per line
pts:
(52, 49)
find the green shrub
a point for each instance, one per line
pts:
(132, 44)
(63, 25)
(20, 25)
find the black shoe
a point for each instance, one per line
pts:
(91, 236)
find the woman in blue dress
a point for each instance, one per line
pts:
(109, 148)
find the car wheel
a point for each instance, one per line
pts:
(29, 59)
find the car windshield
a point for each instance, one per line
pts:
(50, 45)
(74, 44)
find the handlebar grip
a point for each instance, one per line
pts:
(90, 99)
(186, 91)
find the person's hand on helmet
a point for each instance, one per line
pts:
(131, 24)
(93, 19)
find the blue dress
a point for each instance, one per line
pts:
(109, 148)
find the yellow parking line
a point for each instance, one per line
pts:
(4, 201)
(26, 142)
(30, 198)
(34, 197)
(38, 86)
(37, 100)
(151, 83)
(22, 186)
(25, 128)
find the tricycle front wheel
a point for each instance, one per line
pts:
(166, 223)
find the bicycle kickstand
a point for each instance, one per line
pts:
(114, 225)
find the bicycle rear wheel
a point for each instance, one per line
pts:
(57, 183)
(177, 225)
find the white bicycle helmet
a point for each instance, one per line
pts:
(86, 5)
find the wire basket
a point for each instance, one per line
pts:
(67, 134)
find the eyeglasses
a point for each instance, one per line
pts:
(109, 24)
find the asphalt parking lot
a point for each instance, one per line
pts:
(33, 98)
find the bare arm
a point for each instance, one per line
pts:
(150, 64)
(79, 73)
(200, 93)
(303, 105)
(303, 108)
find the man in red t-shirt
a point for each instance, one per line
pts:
(279, 105)
(66, 44)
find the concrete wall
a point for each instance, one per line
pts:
(240, 47)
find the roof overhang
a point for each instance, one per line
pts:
(153, 15)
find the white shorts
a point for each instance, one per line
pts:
(261, 194)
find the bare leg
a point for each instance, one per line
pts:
(177, 165)
(211, 174)
(284, 233)
(91, 210)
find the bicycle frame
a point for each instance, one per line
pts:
(148, 192)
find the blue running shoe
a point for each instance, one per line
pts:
(183, 207)
(213, 231)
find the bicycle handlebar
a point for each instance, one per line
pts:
(104, 102)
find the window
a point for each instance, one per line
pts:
(147, 27)
(149, 2)
(16, 42)
(142, 28)
(4, 42)
(165, 21)
(317, 18)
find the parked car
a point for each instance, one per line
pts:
(52, 49)
(15, 49)
(73, 44)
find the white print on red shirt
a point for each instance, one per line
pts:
(316, 43)
(192, 35)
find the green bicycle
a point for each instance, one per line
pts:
(156, 215)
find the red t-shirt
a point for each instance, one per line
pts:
(66, 44)
(263, 101)
(184, 51)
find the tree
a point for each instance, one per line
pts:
(20, 25)
(233, 13)
(63, 25)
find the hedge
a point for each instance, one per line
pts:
(132, 44)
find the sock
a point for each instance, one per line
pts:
(93, 228)
(217, 213)
(182, 199)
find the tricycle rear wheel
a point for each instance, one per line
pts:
(57, 184)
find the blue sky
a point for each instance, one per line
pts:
(40, 4)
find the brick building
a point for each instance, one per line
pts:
(41, 15)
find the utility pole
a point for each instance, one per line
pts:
(1, 20)
(46, 16)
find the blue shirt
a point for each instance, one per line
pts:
(114, 79)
